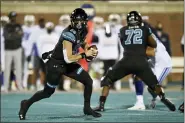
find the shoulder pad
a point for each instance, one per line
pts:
(68, 36)
(73, 31)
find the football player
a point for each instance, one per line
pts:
(63, 61)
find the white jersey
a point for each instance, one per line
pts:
(46, 42)
(59, 29)
(161, 56)
(2, 51)
(107, 45)
(36, 33)
(163, 62)
(25, 42)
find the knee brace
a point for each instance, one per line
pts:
(106, 81)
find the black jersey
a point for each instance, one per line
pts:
(71, 35)
(134, 39)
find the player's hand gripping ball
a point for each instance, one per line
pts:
(95, 50)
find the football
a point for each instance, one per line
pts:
(90, 58)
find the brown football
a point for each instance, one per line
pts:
(90, 58)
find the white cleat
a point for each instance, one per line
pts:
(137, 107)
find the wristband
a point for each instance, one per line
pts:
(83, 55)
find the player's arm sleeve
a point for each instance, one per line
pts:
(67, 52)
(151, 39)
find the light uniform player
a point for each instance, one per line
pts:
(64, 21)
(4, 21)
(46, 42)
(29, 23)
(108, 41)
(37, 31)
(162, 66)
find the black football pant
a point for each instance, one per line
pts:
(137, 65)
(54, 71)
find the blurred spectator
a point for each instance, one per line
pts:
(124, 20)
(182, 48)
(64, 21)
(13, 51)
(4, 21)
(108, 43)
(29, 22)
(46, 42)
(163, 37)
(36, 32)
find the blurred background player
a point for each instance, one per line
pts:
(13, 50)
(46, 42)
(38, 30)
(4, 21)
(108, 41)
(96, 67)
(29, 23)
(64, 21)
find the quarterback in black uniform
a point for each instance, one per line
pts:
(63, 61)
(135, 37)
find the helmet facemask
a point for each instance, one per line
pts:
(79, 24)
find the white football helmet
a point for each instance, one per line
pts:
(4, 20)
(98, 21)
(114, 19)
(29, 20)
(64, 20)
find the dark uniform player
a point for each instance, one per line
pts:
(63, 61)
(134, 38)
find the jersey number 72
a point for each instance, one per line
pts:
(136, 34)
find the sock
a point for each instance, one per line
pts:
(103, 98)
(139, 87)
(87, 95)
(139, 99)
(139, 90)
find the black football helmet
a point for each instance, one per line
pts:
(134, 18)
(79, 19)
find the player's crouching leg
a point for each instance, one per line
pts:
(88, 83)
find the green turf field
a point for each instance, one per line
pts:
(67, 107)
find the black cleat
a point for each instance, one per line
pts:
(181, 107)
(23, 110)
(89, 111)
(169, 104)
(100, 107)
